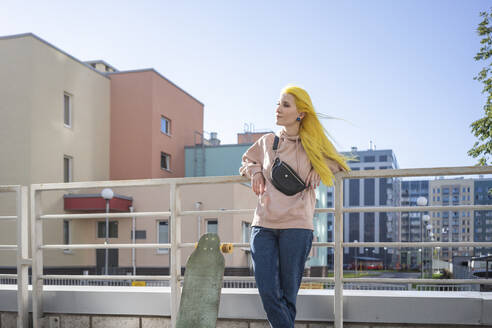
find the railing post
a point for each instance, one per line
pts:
(37, 258)
(175, 266)
(338, 297)
(22, 257)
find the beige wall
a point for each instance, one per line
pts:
(152, 199)
(33, 138)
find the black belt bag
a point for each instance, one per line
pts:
(283, 177)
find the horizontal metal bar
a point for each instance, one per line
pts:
(185, 245)
(416, 208)
(8, 217)
(419, 244)
(9, 188)
(416, 172)
(102, 215)
(247, 245)
(6, 275)
(419, 281)
(8, 247)
(215, 212)
(304, 279)
(324, 210)
(105, 246)
(138, 183)
(102, 277)
(324, 244)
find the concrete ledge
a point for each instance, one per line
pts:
(381, 307)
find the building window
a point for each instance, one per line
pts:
(212, 226)
(165, 161)
(369, 159)
(246, 232)
(165, 125)
(162, 236)
(383, 158)
(67, 169)
(66, 232)
(66, 235)
(139, 234)
(67, 110)
(113, 229)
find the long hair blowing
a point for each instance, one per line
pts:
(314, 136)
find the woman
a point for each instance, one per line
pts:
(282, 228)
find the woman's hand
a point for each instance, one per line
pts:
(313, 179)
(258, 183)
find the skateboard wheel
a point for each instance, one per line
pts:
(226, 248)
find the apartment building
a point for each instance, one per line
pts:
(482, 221)
(413, 227)
(371, 227)
(65, 120)
(54, 127)
(452, 226)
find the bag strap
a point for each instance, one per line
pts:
(275, 143)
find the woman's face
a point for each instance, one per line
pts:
(286, 112)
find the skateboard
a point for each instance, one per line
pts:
(200, 297)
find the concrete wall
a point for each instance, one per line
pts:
(150, 306)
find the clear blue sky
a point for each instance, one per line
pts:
(400, 71)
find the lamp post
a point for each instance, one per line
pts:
(357, 254)
(107, 194)
(422, 201)
(384, 258)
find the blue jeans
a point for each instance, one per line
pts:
(279, 256)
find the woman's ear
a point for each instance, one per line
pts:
(301, 115)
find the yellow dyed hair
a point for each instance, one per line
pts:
(314, 136)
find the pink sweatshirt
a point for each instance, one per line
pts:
(274, 209)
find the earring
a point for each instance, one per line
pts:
(298, 119)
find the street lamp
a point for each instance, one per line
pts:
(107, 194)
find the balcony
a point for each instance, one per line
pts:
(241, 307)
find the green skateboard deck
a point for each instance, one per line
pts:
(200, 296)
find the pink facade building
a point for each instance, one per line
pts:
(152, 120)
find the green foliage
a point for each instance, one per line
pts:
(482, 128)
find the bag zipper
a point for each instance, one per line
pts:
(293, 174)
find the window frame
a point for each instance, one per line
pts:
(168, 133)
(70, 110)
(216, 220)
(160, 251)
(70, 168)
(109, 226)
(168, 161)
(69, 236)
(248, 226)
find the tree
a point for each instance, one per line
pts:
(482, 128)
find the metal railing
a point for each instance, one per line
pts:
(176, 213)
(23, 262)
